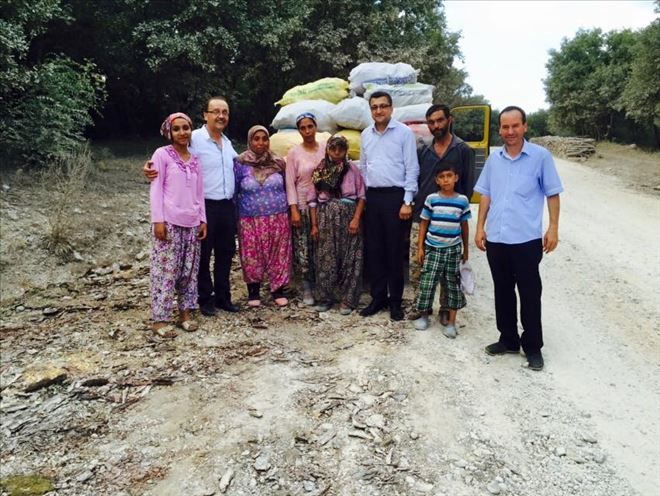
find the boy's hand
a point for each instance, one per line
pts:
(465, 255)
(314, 233)
(420, 256)
(148, 171)
(201, 233)
(160, 231)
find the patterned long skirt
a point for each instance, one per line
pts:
(174, 269)
(303, 249)
(339, 254)
(265, 249)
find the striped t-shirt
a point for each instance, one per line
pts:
(445, 216)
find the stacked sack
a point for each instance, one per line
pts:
(328, 99)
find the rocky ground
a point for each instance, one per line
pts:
(293, 402)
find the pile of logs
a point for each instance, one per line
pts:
(571, 148)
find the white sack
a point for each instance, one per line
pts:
(380, 73)
(411, 113)
(286, 117)
(403, 94)
(352, 113)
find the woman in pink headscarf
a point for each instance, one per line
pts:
(264, 234)
(178, 218)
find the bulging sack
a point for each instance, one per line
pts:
(403, 94)
(286, 117)
(380, 73)
(411, 113)
(354, 138)
(352, 113)
(282, 141)
(467, 278)
(332, 90)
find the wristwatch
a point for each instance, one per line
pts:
(408, 204)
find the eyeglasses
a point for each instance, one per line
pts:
(382, 106)
(217, 112)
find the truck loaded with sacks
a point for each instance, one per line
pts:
(342, 107)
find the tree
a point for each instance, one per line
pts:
(46, 99)
(585, 78)
(641, 96)
(537, 124)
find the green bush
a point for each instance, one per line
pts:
(48, 118)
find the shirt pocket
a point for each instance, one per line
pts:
(525, 183)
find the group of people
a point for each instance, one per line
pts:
(305, 213)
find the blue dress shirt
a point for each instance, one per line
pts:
(390, 158)
(217, 164)
(517, 188)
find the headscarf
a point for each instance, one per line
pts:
(166, 126)
(329, 175)
(265, 164)
(306, 115)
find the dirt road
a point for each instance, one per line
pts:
(292, 402)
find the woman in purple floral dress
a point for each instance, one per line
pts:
(264, 233)
(178, 218)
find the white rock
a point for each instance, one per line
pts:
(493, 487)
(262, 463)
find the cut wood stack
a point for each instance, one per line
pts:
(571, 148)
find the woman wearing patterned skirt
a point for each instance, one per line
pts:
(300, 163)
(178, 218)
(336, 207)
(264, 234)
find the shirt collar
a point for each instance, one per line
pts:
(525, 150)
(390, 125)
(208, 135)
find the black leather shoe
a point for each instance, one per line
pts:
(535, 361)
(207, 309)
(396, 312)
(499, 349)
(227, 306)
(373, 308)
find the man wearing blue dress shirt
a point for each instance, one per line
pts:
(388, 161)
(513, 185)
(216, 155)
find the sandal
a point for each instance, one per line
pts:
(166, 332)
(189, 325)
(254, 303)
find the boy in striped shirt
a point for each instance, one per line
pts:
(442, 244)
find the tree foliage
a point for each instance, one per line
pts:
(46, 100)
(605, 85)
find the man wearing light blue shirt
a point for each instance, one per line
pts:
(388, 162)
(216, 155)
(514, 184)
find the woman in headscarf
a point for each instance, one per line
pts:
(178, 218)
(301, 161)
(264, 233)
(336, 211)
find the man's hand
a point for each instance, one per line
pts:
(201, 233)
(480, 239)
(406, 212)
(160, 231)
(149, 172)
(314, 233)
(354, 226)
(550, 240)
(420, 256)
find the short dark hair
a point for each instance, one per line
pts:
(436, 108)
(446, 166)
(381, 94)
(511, 108)
(217, 97)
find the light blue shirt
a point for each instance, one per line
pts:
(217, 164)
(517, 188)
(390, 158)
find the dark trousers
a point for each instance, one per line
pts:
(385, 238)
(517, 266)
(221, 242)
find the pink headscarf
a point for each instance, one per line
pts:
(166, 126)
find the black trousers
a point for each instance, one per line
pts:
(517, 266)
(385, 239)
(221, 242)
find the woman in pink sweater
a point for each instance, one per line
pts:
(178, 218)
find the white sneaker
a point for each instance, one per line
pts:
(422, 323)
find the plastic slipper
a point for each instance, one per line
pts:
(189, 325)
(166, 332)
(254, 303)
(281, 302)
